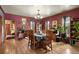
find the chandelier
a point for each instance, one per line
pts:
(38, 16)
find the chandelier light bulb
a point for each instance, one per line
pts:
(38, 15)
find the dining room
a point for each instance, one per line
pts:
(39, 29)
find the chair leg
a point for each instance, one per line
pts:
(34, 46)
(29, 43)
(51, 46)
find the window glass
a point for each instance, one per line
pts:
(32, 25)
(24, 23)
(66, 25)
(47, 25)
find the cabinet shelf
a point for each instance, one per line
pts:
(73, 31)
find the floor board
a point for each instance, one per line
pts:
(21, 47)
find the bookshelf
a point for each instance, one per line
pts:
(74, 31)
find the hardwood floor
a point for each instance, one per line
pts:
(21, 47)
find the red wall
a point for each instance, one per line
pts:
(18, 21)
(72, 13)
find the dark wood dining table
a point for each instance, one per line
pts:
(40, 38)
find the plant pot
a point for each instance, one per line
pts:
(55, 31)
(63, 35)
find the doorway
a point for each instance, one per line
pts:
(10, 29)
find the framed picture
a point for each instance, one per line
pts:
(54, 23)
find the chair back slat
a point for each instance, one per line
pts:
(50, 35)
(31, 38)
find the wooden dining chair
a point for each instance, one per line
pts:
(32, 40)
(49, 39)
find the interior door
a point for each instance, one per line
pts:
(8, 32)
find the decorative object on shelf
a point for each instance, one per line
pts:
(77, 37)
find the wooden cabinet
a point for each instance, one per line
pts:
(74, 31)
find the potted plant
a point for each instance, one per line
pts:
(62, 30)
(76, 26)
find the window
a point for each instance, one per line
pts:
(24, 23)
(32, 25)
(66, 25)
(47, 25)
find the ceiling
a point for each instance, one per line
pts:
(31, 10)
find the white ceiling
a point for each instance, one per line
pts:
(31, 10)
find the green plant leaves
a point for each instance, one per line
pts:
(62, 28)
(76, 26)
